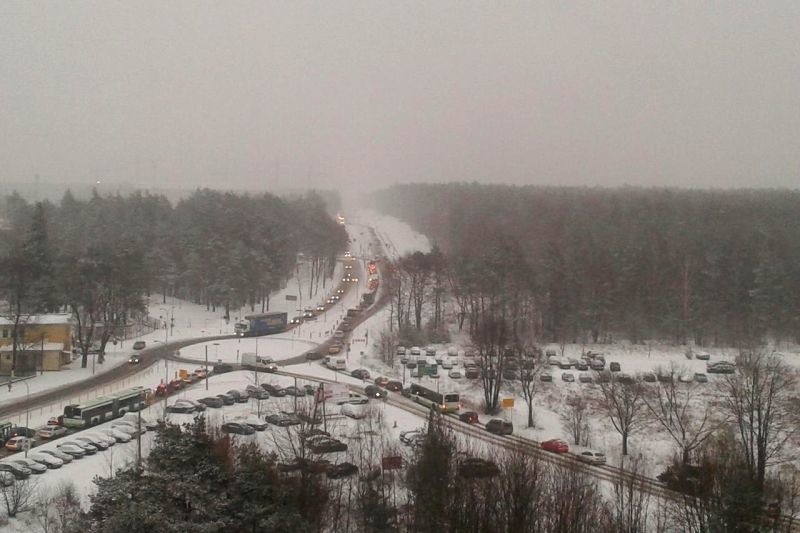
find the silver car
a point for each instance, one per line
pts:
(64, 457)
(47, 460)
(72, 449)
(34, 466)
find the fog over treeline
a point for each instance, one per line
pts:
(713, 267)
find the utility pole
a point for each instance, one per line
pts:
(206, 366)
(139, 438)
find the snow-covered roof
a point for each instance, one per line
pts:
(46, 320)
(34, 347)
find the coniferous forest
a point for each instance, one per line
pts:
(713, 267)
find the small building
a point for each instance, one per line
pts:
(45, 343)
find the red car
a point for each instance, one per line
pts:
(555, 446)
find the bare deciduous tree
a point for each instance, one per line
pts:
(623, 403)
(576, 419)
(757, 398)
(686, 419)
(18, 496)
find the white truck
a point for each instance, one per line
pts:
(258, 362)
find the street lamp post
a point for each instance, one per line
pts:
(206, 366)
(166, 325)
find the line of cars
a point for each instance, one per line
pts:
(71, 447)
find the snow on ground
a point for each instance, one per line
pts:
(397, 237)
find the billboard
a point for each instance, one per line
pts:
(332, 392)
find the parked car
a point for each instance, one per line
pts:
(699, 377)
(604, 376)
(273, 390)
(470, 417)
(16, 444)
(614, 366)
(194, 403)
(472, 372)
(139, 345)
(568, 377)
(323, 444)
(17, 470)
(499, 427)
(373, 391)
(564, 363)
(546, 376)
(649, 377)
(585, 377)
(685, 378)
(100, 444)
(625, 378)
(134, 418)
(254, 423)
(51, 432)
(134, 360)
(294, 391)
(590, 456)
(664, 378)
(88, 448)
(6, 479)
(555, 446)
(282, 420)
(227, 399)
(49, 461)
(360, 373)
(58, 454)
(394, 386)
(117, 435)
(212, 401)
(34, 466)
(73, 450)
(720, 367)
(353, 411)
(237, 428)
(413, 437)
(180, 407)
(240, 396)
(582, 365)
(257, 392)
(310, 389)
(597, 364)
(454, 374)
(341, 470)
(703, 356)
(127, 427)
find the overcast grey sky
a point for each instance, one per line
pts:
(371, 93)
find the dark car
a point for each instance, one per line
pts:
(649, 377)
(273, 390)
(21, 431)
(310, 389)
(381, 381)
(298, 464)
(17, 470)
(139, 345)
(294, 391)
(470, 417)
(256, 424)
(360, 373)
(257, 392)
(283, 420)
(394, 386)
(241, 396)
(341, 470)
(222, 368)
(475, 467)
(134, 360)
(499, 427)
(296, 320)
(614, 366)
(373, 391)
(227, 399)
(313, 356)
(237, 428)
(323, 444)
(212, 401)
(183, 408)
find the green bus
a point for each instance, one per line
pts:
(104, 408)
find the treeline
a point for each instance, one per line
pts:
(713, 267)
(100, 257)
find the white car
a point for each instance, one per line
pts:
(590, 456)
(50, 461)
(100, 444)
(353, 411)
(455, 374)
(447, 363)
(108, 440)
(133, 419)
(354, 398)
(56, 454)
(34, 466)
(125, 427)
(117, 435)
(88, 449)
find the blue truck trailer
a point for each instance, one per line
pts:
(262, 324)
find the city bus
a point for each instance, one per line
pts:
(105, 408)
(448, 402)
